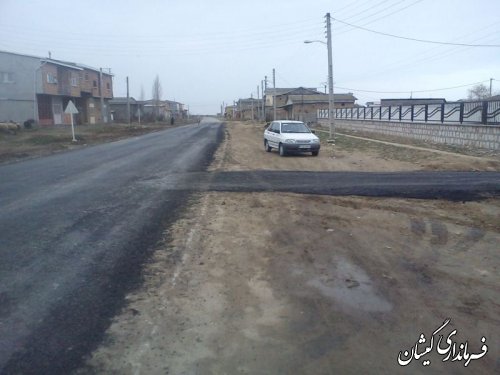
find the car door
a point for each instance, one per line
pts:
(271, 134)
(268, 133)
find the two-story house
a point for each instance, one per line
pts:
(303, 103)
(40, 88)
(248, 109)
(163, 110)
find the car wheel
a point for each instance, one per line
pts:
(266, 146)
(315, 153)
(282, 150)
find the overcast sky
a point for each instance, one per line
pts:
(209, 52)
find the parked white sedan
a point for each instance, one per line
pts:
(287, 136)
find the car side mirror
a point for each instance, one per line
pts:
(313, 131)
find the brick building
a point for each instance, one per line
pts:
(302, 103)
(40, 89)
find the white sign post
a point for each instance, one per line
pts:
(71, 109)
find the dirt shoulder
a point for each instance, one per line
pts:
(348, 154)
(278, 283)
(30, 143)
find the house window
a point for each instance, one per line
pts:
(51, 78)
(74, 80)
(108, 86)
(6, 77)
(95, 83)
(86, 76)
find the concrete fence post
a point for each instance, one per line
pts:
(484, 113)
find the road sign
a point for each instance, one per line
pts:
(70, 108)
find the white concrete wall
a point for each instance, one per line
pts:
(473, 136)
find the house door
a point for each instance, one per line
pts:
(57, 110)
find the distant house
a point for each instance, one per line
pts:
(163, 110)
(280, 96)
(176, 109)
(248, 109)
(303, 103)
(411, 101)
(40, 88)
(230, 111)
(118, 108)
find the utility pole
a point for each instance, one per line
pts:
(101, 89)
(258, 99)
(274, 94)
(264, 96)
(128, 104)
(491, 86)
(331, 100)
(251, 97)
(263, 118)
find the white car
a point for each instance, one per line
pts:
(287, 135)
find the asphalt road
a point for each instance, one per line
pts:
(77, 227)
(455, 186)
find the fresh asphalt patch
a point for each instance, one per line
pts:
(454, 186)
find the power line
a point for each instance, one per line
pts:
(373, 6)
(346, 30)
(425, 56)
(195, 47)
(415, 39)
(238, 33)
(414, 91)
(356, 8)
(351, 4)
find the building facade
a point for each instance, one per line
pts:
(34, 88)
(303, 104)
(119, 110)
(163, 110)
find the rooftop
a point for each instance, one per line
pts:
(283, 91)
(67, 64)
(321, 98)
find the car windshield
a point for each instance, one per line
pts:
(294, 127)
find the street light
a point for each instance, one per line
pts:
(314, 41)
(331, 100)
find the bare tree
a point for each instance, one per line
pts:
(157, 93)
(478, 92)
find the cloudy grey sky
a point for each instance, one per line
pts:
(207, 52)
